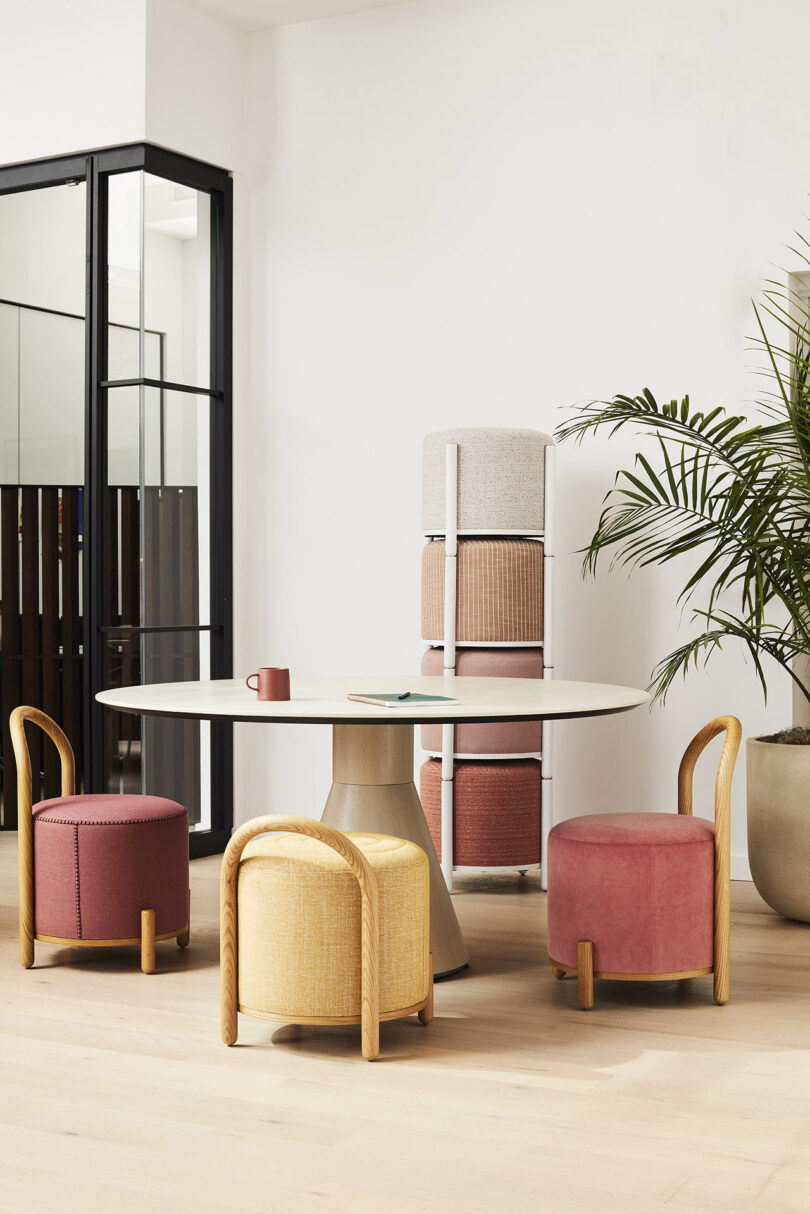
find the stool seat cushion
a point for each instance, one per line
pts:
(99, 860)
(299, 918)
(639, 886)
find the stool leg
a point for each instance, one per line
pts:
(183, 937)
(26, 949)
(585, 973)
(370, 1037)
(26, 878)
(426, 1014)
(722, 931)
(148, 941)
(370, 968)
(228, 988)
(557, 972)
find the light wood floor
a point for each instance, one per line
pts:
(117, 1096)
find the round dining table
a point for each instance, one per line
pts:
(373, 747)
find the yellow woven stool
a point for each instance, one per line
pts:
(320, 927)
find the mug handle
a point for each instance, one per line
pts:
(247, 681)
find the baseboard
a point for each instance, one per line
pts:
(740, 870)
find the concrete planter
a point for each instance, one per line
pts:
(779, 825)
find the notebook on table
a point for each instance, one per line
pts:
(397, 699)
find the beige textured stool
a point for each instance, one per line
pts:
(320, 927)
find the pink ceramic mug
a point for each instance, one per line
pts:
(272, 683)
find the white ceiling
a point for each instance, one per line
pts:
(252, 15)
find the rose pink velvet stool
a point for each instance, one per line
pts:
(97, 869)
(645, 896)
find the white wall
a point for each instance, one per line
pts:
(469, 212)
(71, 76)
(97, 73)
(194, 83)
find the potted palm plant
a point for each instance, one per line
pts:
(732, 492)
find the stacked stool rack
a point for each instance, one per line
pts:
(487, 591)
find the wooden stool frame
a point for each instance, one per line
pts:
(25, 849)
(722, 871)
(370, 1015)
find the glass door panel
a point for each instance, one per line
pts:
(43, 282)
(9, 394)
(124, 254)
(177, 277)
(115, 477)
(51, 384)
(161, 411)
(163, 757)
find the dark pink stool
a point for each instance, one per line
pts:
(645, 897)
(101, 869)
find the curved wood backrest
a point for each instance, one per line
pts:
(369, 938)
(25, 825)
(722, 833)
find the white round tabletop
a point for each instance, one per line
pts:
(323, 701)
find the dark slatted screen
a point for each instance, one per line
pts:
(41, 639)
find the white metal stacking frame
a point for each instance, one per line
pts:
(549, 552)
(449, 652)
(448, 645)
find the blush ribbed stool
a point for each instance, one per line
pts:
(645, 897)
(498, 737)
(496, 823)
(98, 869)
(321, 927)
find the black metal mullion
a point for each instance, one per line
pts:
(126, 159)
(221, 505)
(164, 384)
(41, 174)
(130, 629)
(95, 520)
(172, 166)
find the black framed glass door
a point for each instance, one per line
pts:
(155, 533)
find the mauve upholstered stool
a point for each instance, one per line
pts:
(496, 815)
(501, 479)
(321, 927)
(100, 869)
(645, 896)
(496, 738)
(499, 593)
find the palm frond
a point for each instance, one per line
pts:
(730, 493)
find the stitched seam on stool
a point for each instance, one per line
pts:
(117, 822)
(635, 842)
(76, 879)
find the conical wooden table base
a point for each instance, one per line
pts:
(373, 790)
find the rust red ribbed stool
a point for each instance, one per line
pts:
(496, 821)
(645, 896)
(100, 869)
